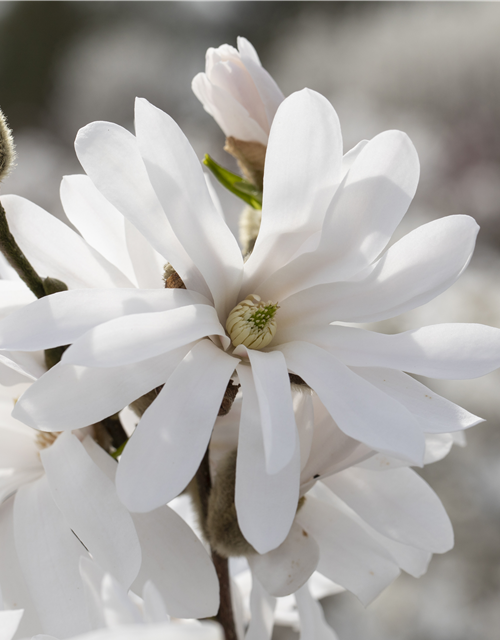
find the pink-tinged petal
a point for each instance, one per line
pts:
(398, 504)
(49, 554)
(177, 563)
(412, 272)
(9, 622)
(177, 177)
(348, 555)
(303, 163)
(285, 569)
(170, 440)
(360, 410)
(265, 504)
(134, 338)
(110, 156)
(69, 397)
(63, 317)
(57, 251)
(262, 606)
(312, 618)
(450, 351)
(98, 221)
(87, 499)
(15, 592)
(230, 115)
(274, 396)
(434, 413)
(269, 92)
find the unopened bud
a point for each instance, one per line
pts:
(252, 322)
(250, 157)
(7, 152)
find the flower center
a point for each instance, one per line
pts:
(252, 322)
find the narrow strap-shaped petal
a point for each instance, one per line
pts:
(348, 555)
(63, 317)
(265, 504)
(312, 619)
(57, 251)
(14, 295)
(303, 163)
(412, 272)
(137, 337)
(398, 504)
(434, 413)
(285, 569)
(274, 396)
(87, 499)
(69, 397)
(450, 351)
(177, 177)
(110, 156)
(262, 606)
(9, 622)
(49, 554)
(170, 440)
(362, 411)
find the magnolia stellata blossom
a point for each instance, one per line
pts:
(53, 486)
(321, 260)
(238, 93)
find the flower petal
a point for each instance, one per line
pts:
(177, 177)
(312, 618)
(360, 410)
(110, 156)
(398, 504)
(303, 163)
(63, 317)
(348, 555)
(285, 569)
(57, 251)
(173, 434)
(274, 396)
(49, 554)
(9, 622)
(136, 337)
(87, 499)
(69, 397)
(265, 504)
(262, 607)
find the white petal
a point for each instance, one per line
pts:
(359, 409)
(453, 351)
(134, 338)
(303, 163)
(397, 503)
(173, 434)
(177, 177)
(265, 504)
(98, 221)
(262, 607)
(57, 251)
(110, 156)
(348, 555)
(69, 397)
(412, 560)
(176, 561)
(63, 317)
(285, 569)
(312, 619)
(87, 499)
(9, 622)
(49, 554)
(434, 413)
(148, 264)
(14, 295)
(413, 271)
(274, 396)
(92, 575)
(154, 607)
(117, 607)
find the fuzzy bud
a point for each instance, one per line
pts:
(7, 152)
(252, 322)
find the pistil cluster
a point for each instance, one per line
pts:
(252, 322)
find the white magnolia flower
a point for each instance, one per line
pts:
(9, 620)
(50, 492)
(238, 93)
(320, 261)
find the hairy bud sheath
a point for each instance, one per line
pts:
(7, 152)
(252, 322)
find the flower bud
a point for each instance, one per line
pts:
(7, 152)
(252, 323)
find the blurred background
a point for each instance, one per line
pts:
(430, 69)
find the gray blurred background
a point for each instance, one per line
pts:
(431, 69)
